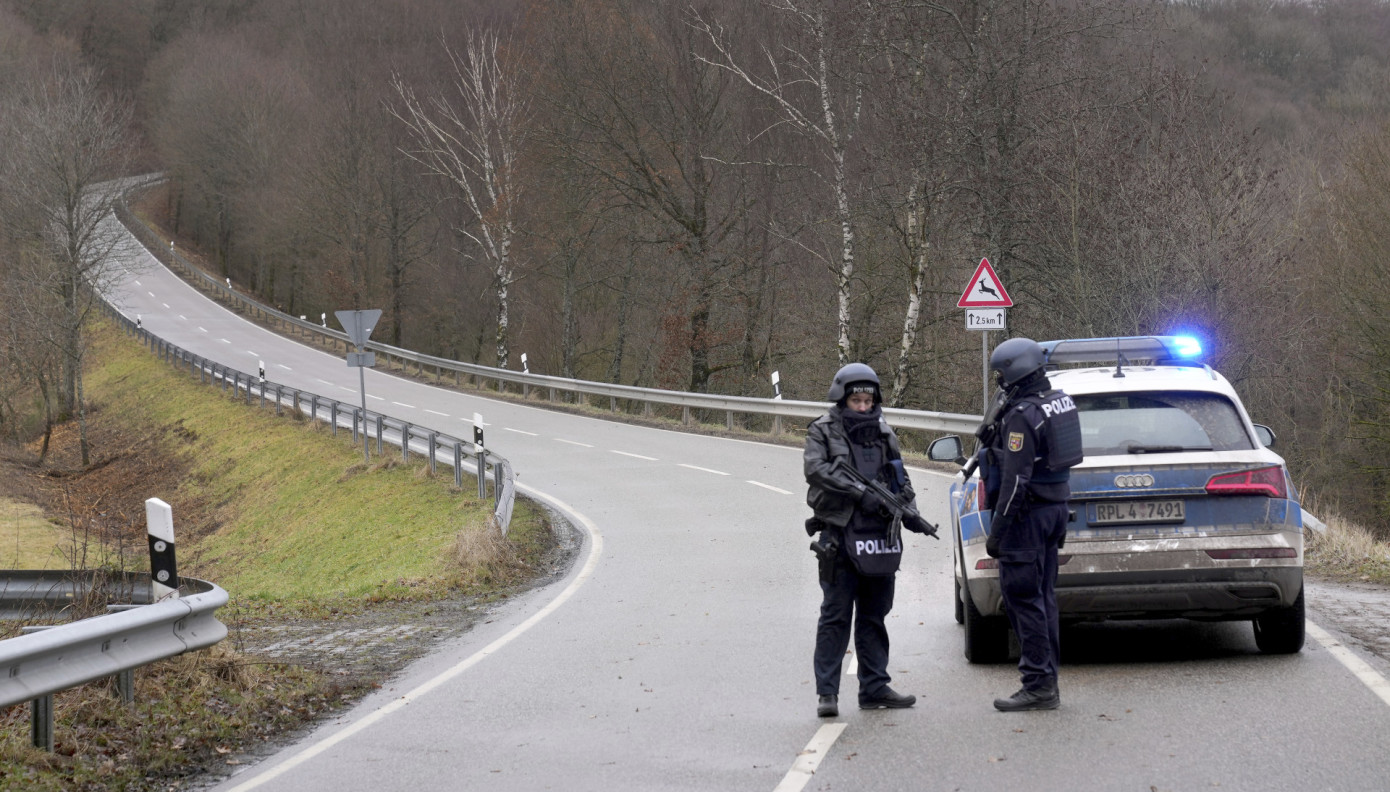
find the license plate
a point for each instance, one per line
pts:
(1127, 512)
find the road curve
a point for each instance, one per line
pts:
(677, 653)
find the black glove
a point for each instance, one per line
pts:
(871, 504)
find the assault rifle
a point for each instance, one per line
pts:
(985, 433)
(897, 507)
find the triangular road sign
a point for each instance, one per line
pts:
(985, 290)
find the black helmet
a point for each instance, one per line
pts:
(850, 374)
(1015, 359)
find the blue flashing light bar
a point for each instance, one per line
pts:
(1179, 350)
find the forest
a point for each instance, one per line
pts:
(696, 195)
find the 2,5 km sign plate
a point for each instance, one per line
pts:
(985, 318)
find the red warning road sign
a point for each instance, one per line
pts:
(985, 290)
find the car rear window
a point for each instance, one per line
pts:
(1122, 423)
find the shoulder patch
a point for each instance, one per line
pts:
(1015, 441)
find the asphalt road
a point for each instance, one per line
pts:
(677, 653)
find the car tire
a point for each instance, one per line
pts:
(1280, 631)
(986, 637)
(960, 606)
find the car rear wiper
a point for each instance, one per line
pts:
(1163, 449)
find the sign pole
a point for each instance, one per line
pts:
(984, 358)
(359, 325)
(362, 383)
(985, 301)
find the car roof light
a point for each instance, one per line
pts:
(1123, 350)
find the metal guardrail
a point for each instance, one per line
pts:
(434, 446)
(920, 420)
(27, 594)
(65, 656)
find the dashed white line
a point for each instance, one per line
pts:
(436, 412)
(166, 306)
(252, 354)
(403, 404)
(768, 487)
(378, 398)
(519, 431)
(706, 470)
(150, 293)
(325, 382)
(202, 329)
(634, 456)
(185, 318)
(810, 758)
(223, 340)
(283, 366)
(574, 442)
(1368, 676)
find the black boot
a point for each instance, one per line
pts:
(886, 698)
(828, 706)
(1044, 698)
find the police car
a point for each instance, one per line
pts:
(1181, 508)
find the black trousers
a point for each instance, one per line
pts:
(865, 601)
(1028, 577)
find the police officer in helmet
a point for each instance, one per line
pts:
(859, 555)
(1037, 438)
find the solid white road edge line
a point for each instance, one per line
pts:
(1363, 671)
(590, 563)
(768, 487)
(810, 758)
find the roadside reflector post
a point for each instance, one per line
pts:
(164, 577)
(481, 451)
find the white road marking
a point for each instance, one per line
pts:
(223, 340)
(346, 388)
(706, 470)
(150, 293)
(590, 563)
(519, 431)
(166, 306)
(185, 318)
(574, 442)
(325, 382)
(283, 366)
(202, 329)
(768, 486)
(634, 456)
(138, 283)
(436, 412)
(378, 398)
(852, 667)
(809, 759)
(252, 354)
(401, 404)
(1368, 676)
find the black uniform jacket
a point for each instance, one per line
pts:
(832, 494)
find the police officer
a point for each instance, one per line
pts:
(858, 555)
(1037, 438)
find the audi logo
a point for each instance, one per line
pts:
(1138, 480)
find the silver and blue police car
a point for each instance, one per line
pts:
(1181, 508)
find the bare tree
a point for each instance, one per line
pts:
(473, 140)
(817, 100)
(68, 136)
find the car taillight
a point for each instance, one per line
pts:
(1253, 552)
(1267, 481)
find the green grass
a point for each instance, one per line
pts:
(28, 541)
(295, 513)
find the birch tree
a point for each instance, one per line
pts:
(810, 96)
(473, 138)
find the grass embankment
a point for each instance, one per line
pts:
(1346, 551)
(276, 510)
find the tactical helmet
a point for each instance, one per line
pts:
(1015, 359)
(849, 374)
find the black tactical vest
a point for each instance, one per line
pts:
(1061, 428)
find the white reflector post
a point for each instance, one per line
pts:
(164, 578)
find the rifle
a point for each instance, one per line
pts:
(897, 507)
(985, 432)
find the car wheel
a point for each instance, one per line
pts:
(960, 606)
(986, 637)
(1280, 631)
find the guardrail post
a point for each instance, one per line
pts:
(458, 465)
(40, 709)
(612, 403)
(405, 442)
(685, 415)
(482, 473)
(278, 396)
(313, 408)
(434, 436)
(378, 435)
(333, 416)
(776, 425)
